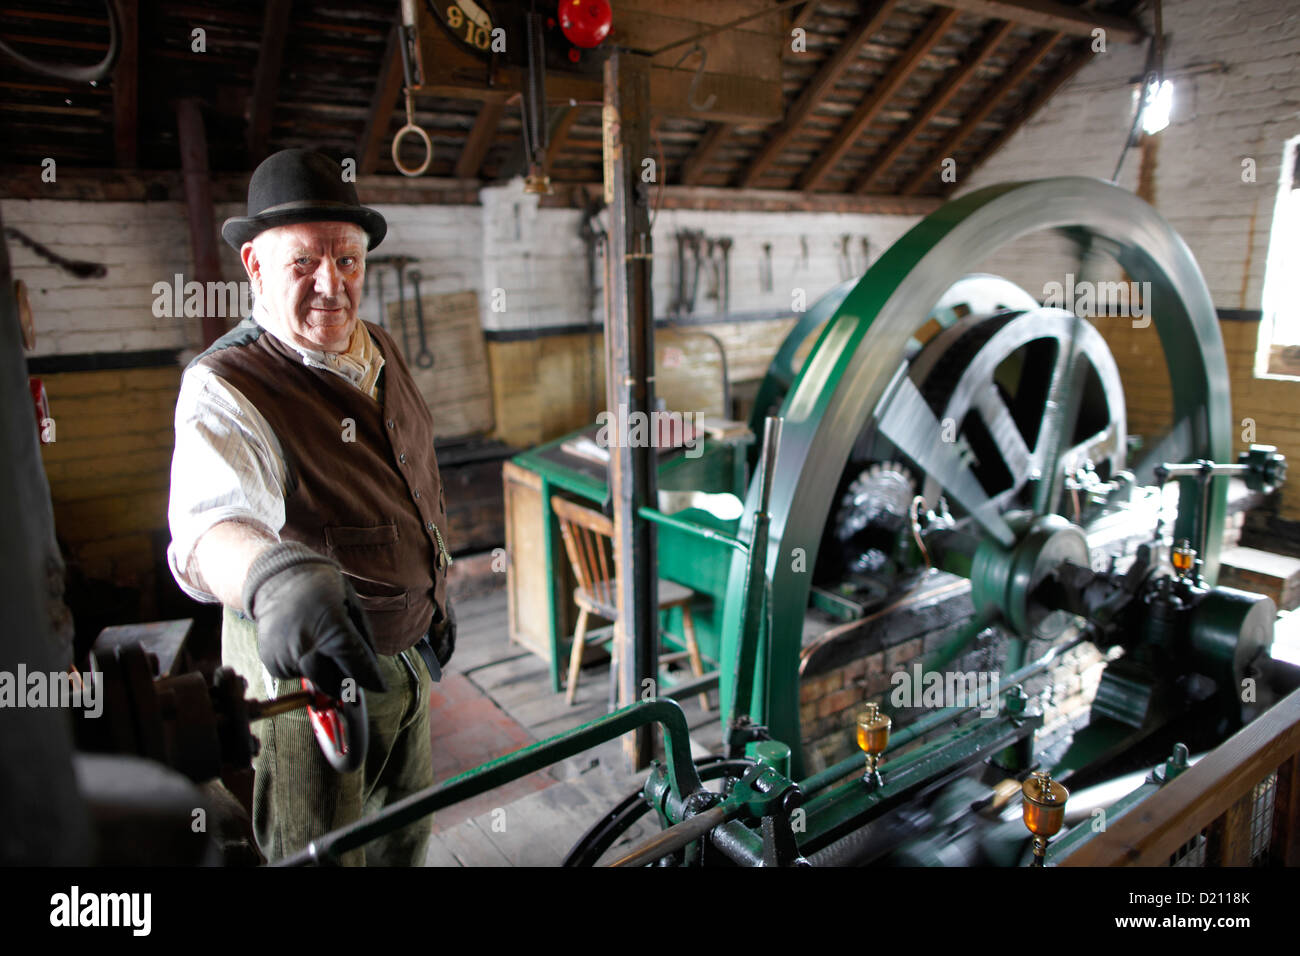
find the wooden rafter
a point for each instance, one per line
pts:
(878, 165)
(266, 76)
(1072, 64)
(827, 76)
(800, 19)
(480, 137)
(559, 137)
(695, 164)
(881, 94)
(126, 88)
(387, 89)
(1057, 17)
(1012, 79)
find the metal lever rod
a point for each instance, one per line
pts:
(674, 838)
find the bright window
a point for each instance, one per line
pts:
(1279, 340)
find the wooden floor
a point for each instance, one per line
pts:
(536, 821)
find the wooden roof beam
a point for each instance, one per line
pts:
(1072, 65)
(388, 87)
(1057, 17)
(820, 85)
(695, 164)
(126, 88)
(881, 94)
(1012, 79)
(937, 101)
(266, 77)
(559, 137)
(481, 136)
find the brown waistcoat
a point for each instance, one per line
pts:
(362, 481)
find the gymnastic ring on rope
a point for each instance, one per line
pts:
(428, 150)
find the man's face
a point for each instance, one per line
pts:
(308, 279)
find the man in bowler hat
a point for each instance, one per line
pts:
(306, 499)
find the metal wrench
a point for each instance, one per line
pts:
(379, 293)
(724, 296)
(400, 263)
(694, 238)
(424, 359)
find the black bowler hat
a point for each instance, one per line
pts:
(300, 185)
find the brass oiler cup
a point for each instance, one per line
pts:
(1044, 810)
(873, 738)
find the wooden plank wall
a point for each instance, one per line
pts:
(541, 387)
(109, 468)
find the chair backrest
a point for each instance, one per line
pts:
(589, 540)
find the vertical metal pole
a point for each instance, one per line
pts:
(629, 380)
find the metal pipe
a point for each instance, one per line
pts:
(712, 534)
(683, 777)
(756, 603)
(674, 838)
(853, 764)
(262, 709)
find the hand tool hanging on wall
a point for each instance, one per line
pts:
(724, 294)
(846, 258)
(424, 358)
(379, 295)
(679, 293)
(866, 254)
(803, 252)
(593, 240)
(710, 252)
(765, 269)
(74, 267)
(694, 239)
(399, 263)
(532, 105)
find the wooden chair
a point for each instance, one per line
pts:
(588, 539)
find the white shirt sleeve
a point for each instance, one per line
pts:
(228, 466)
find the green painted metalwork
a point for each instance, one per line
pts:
(681, 775)
(780, 371)
(693, 545)
(833, 814)
(862, 348)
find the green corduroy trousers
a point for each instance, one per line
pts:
(298, 796)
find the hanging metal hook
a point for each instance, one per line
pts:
(695, 80)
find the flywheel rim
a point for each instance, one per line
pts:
(862, 349)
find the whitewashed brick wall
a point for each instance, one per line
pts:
(143, 243)
(1218, 119)
(537, 255)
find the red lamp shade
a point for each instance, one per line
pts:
(585, 22)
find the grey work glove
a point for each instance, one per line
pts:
(309, 620)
